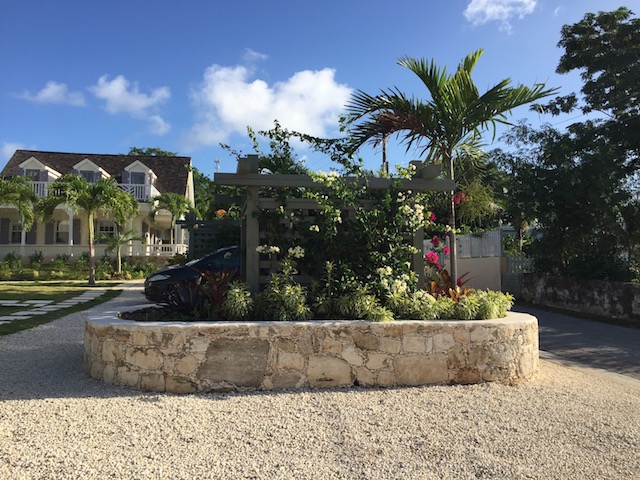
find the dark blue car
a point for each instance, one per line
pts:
(158, 284)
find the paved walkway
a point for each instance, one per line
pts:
(32, 308)
(588, 342)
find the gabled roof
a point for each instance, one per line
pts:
(172, 172)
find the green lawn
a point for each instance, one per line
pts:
(54, 291)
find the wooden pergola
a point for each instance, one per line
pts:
(248, 176)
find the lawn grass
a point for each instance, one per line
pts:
(54, 291)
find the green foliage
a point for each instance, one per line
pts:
(12, 261)
(35, 259)
(237, 304)
(18, 191)
(363, 305)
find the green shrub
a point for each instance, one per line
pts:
(362, 305)
(13, 261)
(237, 303)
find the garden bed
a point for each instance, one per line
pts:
(185, 357)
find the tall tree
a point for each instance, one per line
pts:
(92, 198)
(150, 152)
(445, 126)
(177, 205)
(18, 191)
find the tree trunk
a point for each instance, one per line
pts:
(453, 246)
(92, 253)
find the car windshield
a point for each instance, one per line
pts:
(226, 258)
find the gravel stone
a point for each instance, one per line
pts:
(56, 423)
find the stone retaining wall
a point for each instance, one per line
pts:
(221, 356)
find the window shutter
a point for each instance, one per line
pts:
(4, 231)
(32, 234)
(48, 233)
(77, 235)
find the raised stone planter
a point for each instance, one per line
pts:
(222, 356)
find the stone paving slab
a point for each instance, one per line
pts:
(41, 307)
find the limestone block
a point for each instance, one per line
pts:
(287, 380)
(414, 344)
(421, 369)
(121, 335)
(457, 358)
(461, 335)
(290, 361)
(331, 345)
(365, 377)
(97, 370)
(366, 341)
(386, 378)
(179, 385)
(285, 344)
(153, 382)
(389, 345)
(443, 341)
(109, 351)
(124, 376)
(304, 345)
(139, 338)
(198, 344)
(109, 374)
(479, 334)
(478, 356)
(377, 361)
(240, 362)
(143, 358)
(187, 365)
(352, 355)
(326, 371)
(465, 376)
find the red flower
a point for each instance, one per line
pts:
(445, 250)
(431, 257)
(456, 199)
(459, 282)
(435, 241)
(432, 217)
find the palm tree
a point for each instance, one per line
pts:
(444, 127)
(18, 191)
(122, 213)
(177, 205)
(78, 194)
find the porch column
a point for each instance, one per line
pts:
(70, 243)
(23, 237)
(251, 234)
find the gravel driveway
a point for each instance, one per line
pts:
(55, 423)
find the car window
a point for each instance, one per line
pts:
(229, 259)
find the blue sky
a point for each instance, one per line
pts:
(91, 76)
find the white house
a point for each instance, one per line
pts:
(142, 176)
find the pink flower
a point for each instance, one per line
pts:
(445, 250)
(456, 199)
(435, 241)
(432, 217)
(462, 196)
(438, 267)
(431, 257)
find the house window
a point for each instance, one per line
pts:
(137, 178)
(16, 232)
(106, 228)
(32, 174)
(88, 175)
(62, 231)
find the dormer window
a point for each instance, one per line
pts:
(88, 175)
(32, 174)
(137, 178)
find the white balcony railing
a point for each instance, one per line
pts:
(75, 251)
(142, 193)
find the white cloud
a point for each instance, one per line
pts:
(8, 149)
(229, 99)
(122, 96)
(479, 12)
(54, 92)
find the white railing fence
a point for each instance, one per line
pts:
(76, 251)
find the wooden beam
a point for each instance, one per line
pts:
(305, 181)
